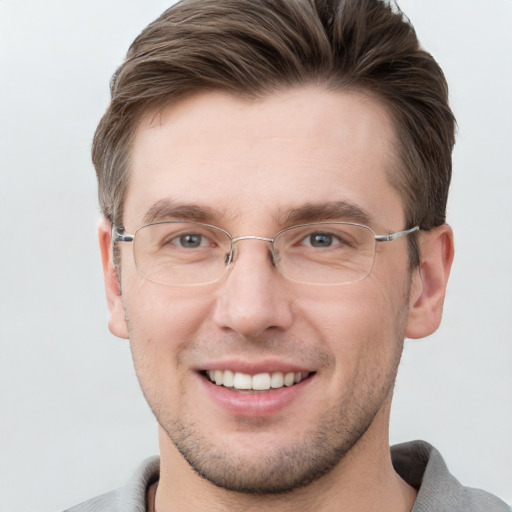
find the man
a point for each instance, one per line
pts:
(273, 176)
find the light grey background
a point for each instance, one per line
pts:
(73, 422)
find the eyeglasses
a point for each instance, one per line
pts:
(190, 253)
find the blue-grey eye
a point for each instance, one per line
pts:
(321, 239)
(191, 241)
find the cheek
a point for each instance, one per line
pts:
(362, 326)
(355, 311)
(163, 322)
(156, 311)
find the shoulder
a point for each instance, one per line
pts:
(423, 467)
(130, 498)
(106, 502)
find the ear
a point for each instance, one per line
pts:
(429, 282)
(117, 323)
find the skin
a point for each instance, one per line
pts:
(249, 163)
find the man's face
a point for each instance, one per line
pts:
(249, 167)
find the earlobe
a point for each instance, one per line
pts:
(429, 282)
(117, 323)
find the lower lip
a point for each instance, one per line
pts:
(252, 405)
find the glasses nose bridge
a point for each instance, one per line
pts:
(251, 237)
(234, 241)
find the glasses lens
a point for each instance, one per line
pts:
(325, 253)
(181, 254)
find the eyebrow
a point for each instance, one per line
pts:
(337, 210)
(167, 209)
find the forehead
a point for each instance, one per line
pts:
(243, 159)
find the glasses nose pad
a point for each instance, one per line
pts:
(229, 258)
(274, 255)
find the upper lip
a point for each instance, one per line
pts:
(255, 367)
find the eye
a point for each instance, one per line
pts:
(190, 241)
(321, 239)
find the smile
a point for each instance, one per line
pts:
(259, 382)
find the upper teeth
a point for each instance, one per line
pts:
(258, 382)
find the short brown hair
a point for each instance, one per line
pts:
(254, 47)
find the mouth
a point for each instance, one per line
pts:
(238, 381)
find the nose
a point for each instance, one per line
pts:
(253, 297)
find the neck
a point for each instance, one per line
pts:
(363, 480)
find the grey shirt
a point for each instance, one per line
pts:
(417, 462)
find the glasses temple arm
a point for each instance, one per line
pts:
(398, 234)
(119, 236)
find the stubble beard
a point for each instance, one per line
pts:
(295, 465)
(280, 471)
